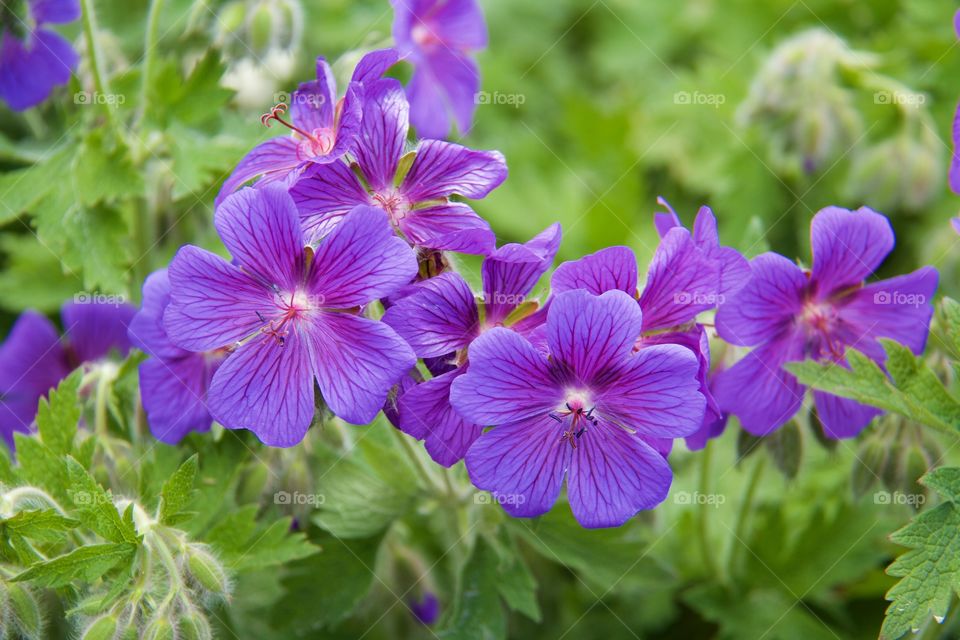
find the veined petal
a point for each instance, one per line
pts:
(92, 330)
(426, 413)
(361, 260)
(766, 305)
(510, 272)
(758, 390)
(457, 79)
(522, 464)
(613, 475)
(610, 269)
(429, 112)
(655, 393)
(449, 227)
(266, 387)
(146, 330)
(356, 361)
(842, 418)
(590, 334)
(276, 155)
(174, 393)
(847, 246)
(325, 193)
(373, 65)
(213, 303)
(383, 132)
(507, 380)
(261, 229)
(440, 317)
(349, 126)
(443, 168)
(312, 104)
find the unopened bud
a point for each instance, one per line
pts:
(25, 610)
(194, 626)
(870, 458)
(159, 628)
(104, 628)
(207, 571)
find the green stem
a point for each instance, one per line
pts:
(100, 82)
(743, 514)
(414, 458)
(709, 558)
(149, 54)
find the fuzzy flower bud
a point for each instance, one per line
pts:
(194, 626)
(159, 628)
(103, 628)
(25, 612)
(207, 570)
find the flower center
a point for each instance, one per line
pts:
(318, 142)
(423, 35)
(393, 203)
(576, 415)
(820, 322)
(292, 305)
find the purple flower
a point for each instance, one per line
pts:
(416, 198)
(581, 413)
(689, 274)
(173, 381)
(427, 609)
(323, 128)
(441, 317)
(34, 359)
(437, 36)
(788, 314)
(290, 315)
(34, 60)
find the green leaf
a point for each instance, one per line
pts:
(23, 188)
(104, 170)
(95, 509)
(193, 99)
(245, 545)
(477, 612)
(29, 262)
(87, 563)
(42, 524)
(41, 467)
(58, 415)
(913, 390)
(930, 572)
(518, 587)
(178, 490)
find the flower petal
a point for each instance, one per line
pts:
(261, 229)
(842, 418)
(30, 71)
(146, 331)
(440, 317)
(758, 390)
(92, 330)
(356, 361)
(361, 260)
(655, 393)
(212, 303)
(507, 380)
(510, 272)
(954, 175)
(325, 193)
(32, 360)
(588, 334)
(766, 305)
(610, 269)
(54, 11)
(276, 155)
(373, 65)
(173, 394)
(449, 227)
(457, 80)
(522, 464)
(267, 388)
(442, 168)
(312, 104)
(613, 475)
(426, 413)
(383, 132)
(847, 246)
(428, 104)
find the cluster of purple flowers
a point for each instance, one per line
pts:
(339, 292)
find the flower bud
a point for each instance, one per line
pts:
(103, 628)
(871, 456)
(25, 611)
(207, 571)
(159, 628)
(194, 626)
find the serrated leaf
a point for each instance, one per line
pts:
(95, 509)
(87, 564)
(29, 262)
(178, 490)
(21, 189)
(518, 587)
(41, 524)
(477, 613)
(245, 545)
(104, 170)
(41, 467)
(58, 415)
(930, 572)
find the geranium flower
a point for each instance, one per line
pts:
(437, 37)
(578, 413)
(290, 315)
(173, 381)
(34, 60)
(322, 128)
(415, 196)
(789, 314)
(34, 359)
(440, 319)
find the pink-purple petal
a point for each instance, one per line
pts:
(841, 417)
(173, 393)
(442, 168)
(610, 269)
(438, 318)
(426, 414)
(312, 105)
(449, 227)
(847, 246)
(383, 132)
(93, 330)
(30, 70)
(510, 272)
(276, 156)
(325, 193)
